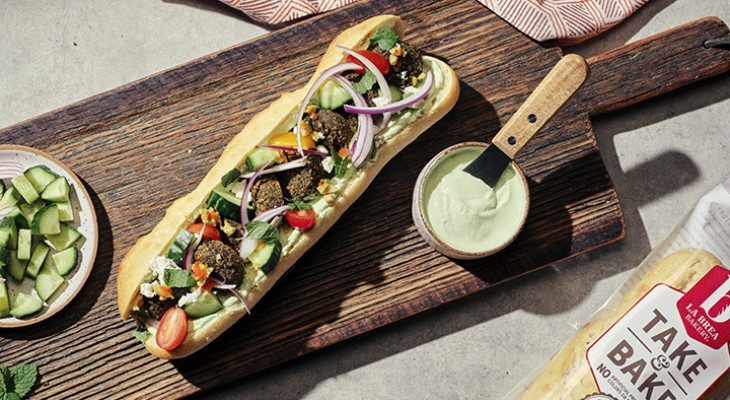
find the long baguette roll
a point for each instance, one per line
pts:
(259, 129)
(568, 374)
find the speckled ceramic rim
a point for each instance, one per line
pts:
(90, 232)
(419, 216)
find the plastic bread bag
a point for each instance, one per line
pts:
(664, 334)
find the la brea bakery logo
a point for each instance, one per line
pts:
(705, 309)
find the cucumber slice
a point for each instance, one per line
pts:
(331, 95)
(24, 243)
(4, 300)
(36, 259)
(10, 198)
(65, 211)
(176, 252)
(56, 191)
(66, 260)
(25, 305)
(259, 157)
(225, 203)
(29, 211)
(45, 221)
(4, 256)
(230, 177)
(8, 226)
(39, 176)
(17, 215)
(47, 282)
(206, 304)
(16, 267)
(266, 257)
(395, 93)
(25, 188)
(65, 238)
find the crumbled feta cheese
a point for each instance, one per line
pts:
(159, 264)
(146, 290)
(328, 164)
(191, 297)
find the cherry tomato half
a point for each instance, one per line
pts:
(172, 329)
(210, 232)
(301, 219)
(380, 62)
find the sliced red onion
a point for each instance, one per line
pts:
(286, 148)
(326, 74)
(10, 169)
(398, 105)
(267, 216)
(298, 163)
(188, 256)
(363, 142)
(244, 196)
(248, 245)
(378, 76)
(219, 284)
(240, 296)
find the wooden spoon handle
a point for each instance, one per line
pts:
(556, 88)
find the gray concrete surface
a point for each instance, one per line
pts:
(662, 155)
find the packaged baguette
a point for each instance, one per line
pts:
(663, 335)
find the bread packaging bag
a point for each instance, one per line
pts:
(663, 335)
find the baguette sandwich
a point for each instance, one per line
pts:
(279, 185)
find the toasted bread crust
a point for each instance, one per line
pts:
(135, 264)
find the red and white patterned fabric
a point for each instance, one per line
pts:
(278, 11)
(569, 21)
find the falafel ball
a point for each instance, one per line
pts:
(224, 260)
(302, 182)
(266, 194)
(336, 129)
(408, 66)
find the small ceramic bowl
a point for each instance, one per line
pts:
(421, 220)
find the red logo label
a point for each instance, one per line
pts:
(705, 309)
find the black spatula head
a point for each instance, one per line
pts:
(489, 165)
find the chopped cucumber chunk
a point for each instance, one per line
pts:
(225, 203)
(8, 226)
(65, 211)
(25, 305)
(25, 188)
(16, 267)
(4, 256)
(47, 282)
(331, 95)
(65, 238)
(36, 259)
(19, 218)
(45, 221)
(176, 252)
(266, 257)
(66, 260)
(29, 211)
(39, 176)
(4, 300)
(24, 243)
(10, 198)
(56, 191)
(206, 304)
(259, 157)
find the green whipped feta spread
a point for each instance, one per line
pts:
(465, 212)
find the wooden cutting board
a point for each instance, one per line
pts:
(139, 147)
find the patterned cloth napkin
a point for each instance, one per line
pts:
(569, 21)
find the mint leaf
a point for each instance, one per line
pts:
(340, 163)
(10, 396)
(262, 230)
(178, 278)
(141, 335)
(24, 377)
(386, 38)
(365, 83)
(299, 205)
(4, 379)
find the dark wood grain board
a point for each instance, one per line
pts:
(139, 147)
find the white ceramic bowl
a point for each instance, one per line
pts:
(421, 221)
